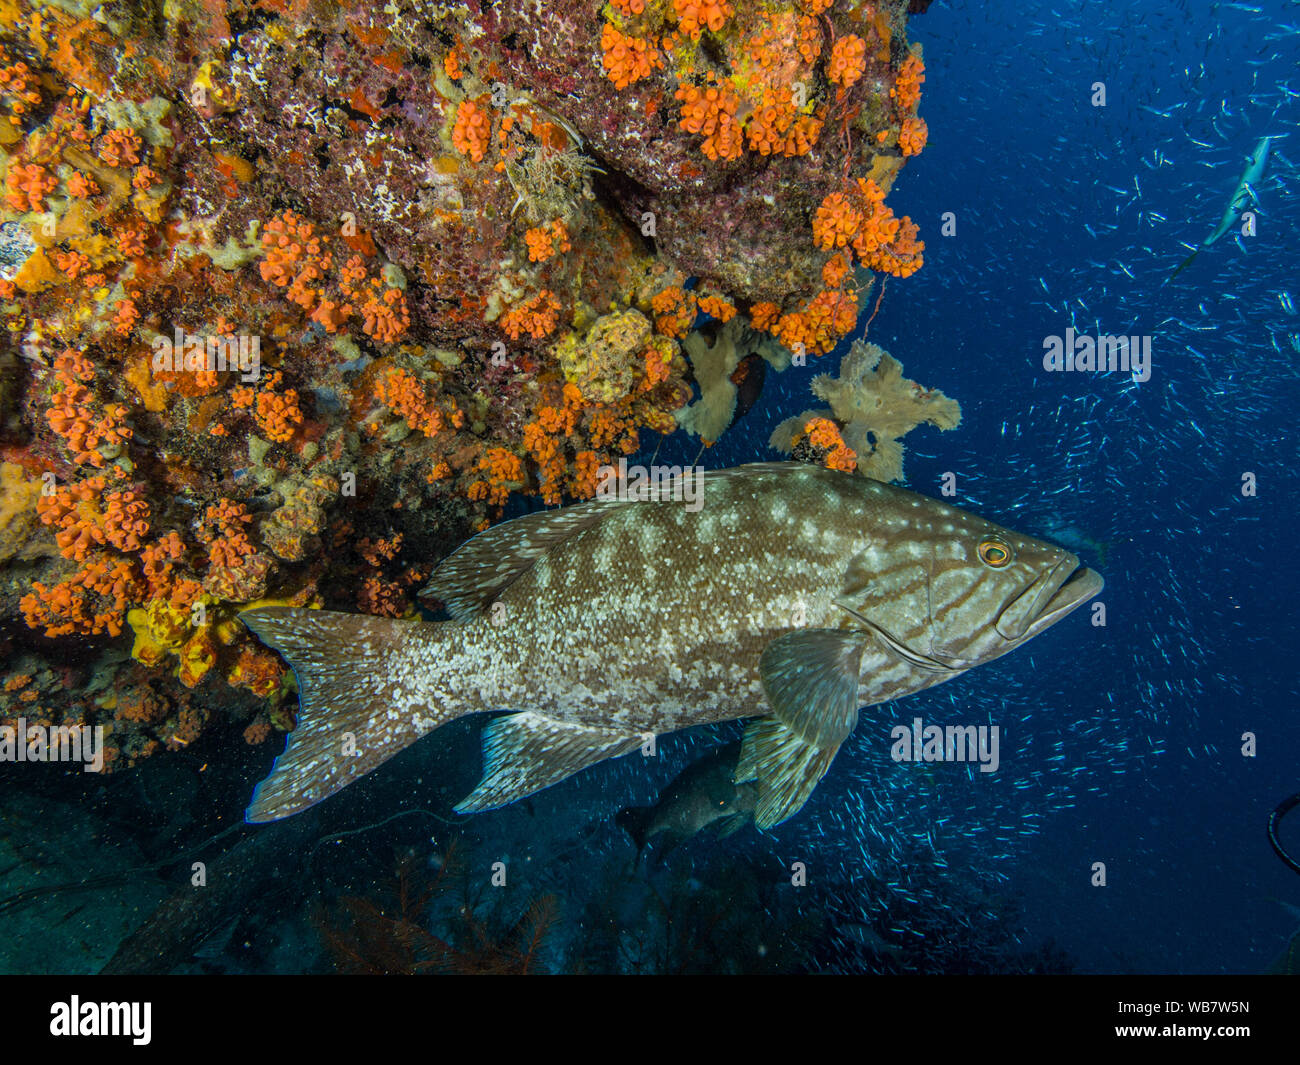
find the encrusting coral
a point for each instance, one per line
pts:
(306, 293)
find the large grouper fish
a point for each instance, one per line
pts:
(792, 595)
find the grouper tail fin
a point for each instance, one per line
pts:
(344, 667)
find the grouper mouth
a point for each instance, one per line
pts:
(1061, 589)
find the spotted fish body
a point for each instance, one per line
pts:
(794, 595)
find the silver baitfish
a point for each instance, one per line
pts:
(793, 595)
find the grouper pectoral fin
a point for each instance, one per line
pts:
(526, 752)
(729, 826)
(785, 766)
(811, 681)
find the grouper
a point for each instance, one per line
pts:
(702, 796)
(786, 593)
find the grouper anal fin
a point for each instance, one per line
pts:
(811, 681)
(526, 752)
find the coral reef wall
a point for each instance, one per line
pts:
(296, 294)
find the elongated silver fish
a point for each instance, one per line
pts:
(794, 595)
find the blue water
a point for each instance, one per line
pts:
(1201, 635)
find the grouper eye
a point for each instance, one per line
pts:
(994, 553)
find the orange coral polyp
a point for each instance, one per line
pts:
(125, 315)
(537, 316)
(126, 519)
(848, 60)
(828, 316)
(824, 434)
(19, 85)
(544, 241)
(72, 263)
(330, 315)
(694, 16)
(763, 316)
(626, 59)
(907, 86)
(92, 601)
(296, 259)
(278, 415)
(777, 128)
(472, 130)
(717, 307)
(858, 217)
(835, 271)
(292, 255)
(711, 113)
(676, 309)
(809, 41)
(28, 185)
(386, 317)
(504, 471)
(71, 416)
(82, 186)
(73, 513)
(913, 135)
(403, 393)
(836, 222)
(120, 147)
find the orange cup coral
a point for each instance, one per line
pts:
(848, 60)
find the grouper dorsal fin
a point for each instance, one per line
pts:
(470, 578)
(811, 681)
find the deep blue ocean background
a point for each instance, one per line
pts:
(1129, 737)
